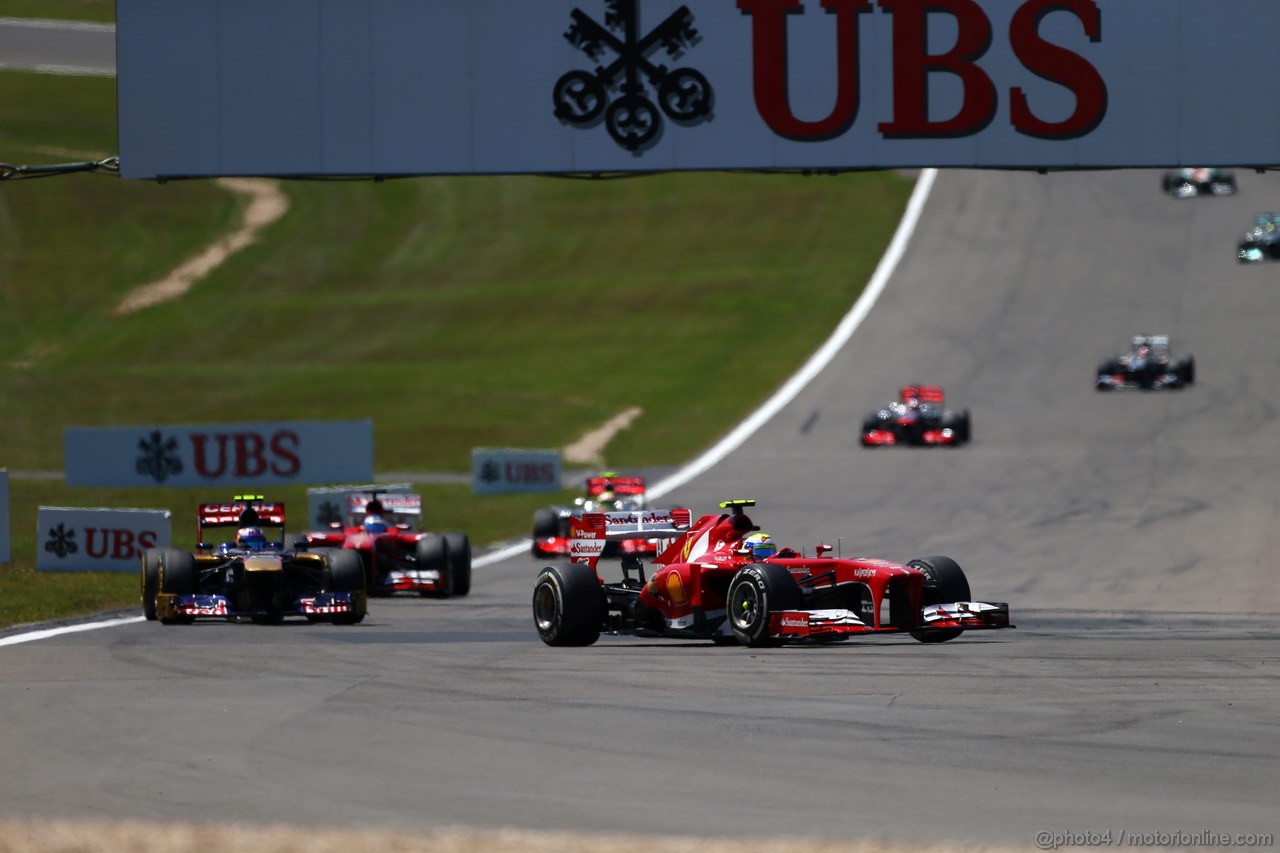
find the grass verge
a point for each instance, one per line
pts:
(93, 11)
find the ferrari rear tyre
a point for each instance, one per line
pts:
(433, 556)
(459, 547)
(177, 576)
(568, 605)
(150, 582)
(756, 592)
(944, 582)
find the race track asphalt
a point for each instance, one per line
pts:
(1133, 535)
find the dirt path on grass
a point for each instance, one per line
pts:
(589, 449)
(267, 203)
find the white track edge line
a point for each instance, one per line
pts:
(67, 629)
(817, 362)
(820, 359)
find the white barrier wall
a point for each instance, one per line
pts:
(246, 455)
(70, 539)
(496, 471)
(385, 87)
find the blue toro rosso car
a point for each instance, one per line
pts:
(251, 577)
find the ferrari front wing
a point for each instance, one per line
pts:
(966, 615)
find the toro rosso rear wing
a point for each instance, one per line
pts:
(243, 511)
(589, 531)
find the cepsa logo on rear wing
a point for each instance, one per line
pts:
(588, 532)
(228, 514)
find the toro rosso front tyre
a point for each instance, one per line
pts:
(756, 592)
(150, 582)
(177, 576)
(568, 605)
(345, 573)
(944, 582)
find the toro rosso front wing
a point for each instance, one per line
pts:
(319, 607)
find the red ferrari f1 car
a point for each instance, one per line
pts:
(719, 580)
(382, 530)
(604, 492)
(918, 417)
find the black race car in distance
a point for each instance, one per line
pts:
(1189, 183)
(918, 417)
(1147, 366)
(1262, 241)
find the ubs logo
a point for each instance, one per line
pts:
(61, 541)
(622, 89)
(158, 457)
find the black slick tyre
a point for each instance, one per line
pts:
(1186, 370)
(433, 556)
(756, 592)
(458, 546)
(568, 605)
(344, 572)
(177, 576)
(546, 524)
(150, 582)
(944, 582)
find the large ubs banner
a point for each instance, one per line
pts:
(395, 87)
(245, 455)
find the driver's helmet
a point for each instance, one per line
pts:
(374, 524)
(607, 496)
(251, 539)
(760, 546)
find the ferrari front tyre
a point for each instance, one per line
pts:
(433, 556)
(177, 576)
(756, 592)
(458, 546)
(944, 582)
(568, 605)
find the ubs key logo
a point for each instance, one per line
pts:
(622, 90)
(158, 457)
(61, 541)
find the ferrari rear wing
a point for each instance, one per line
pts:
(589, 531)
(400, 504)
